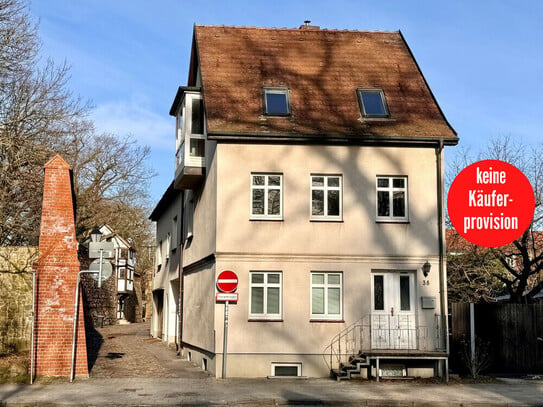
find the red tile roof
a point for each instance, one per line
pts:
(322, 70)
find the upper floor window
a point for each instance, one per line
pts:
(326, 197)
(276, 102)
(372, 103)
(392, 199)
(266, 196)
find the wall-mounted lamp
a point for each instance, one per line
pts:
(426, 268)
(96, 235)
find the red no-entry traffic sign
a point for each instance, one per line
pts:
(227, 281)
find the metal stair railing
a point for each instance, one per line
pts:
(357, 338)
(345, 344)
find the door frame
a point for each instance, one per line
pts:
(391, 322)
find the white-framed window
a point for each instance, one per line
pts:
(191, 131)
(326, 295)
(276, 101)
(159, 254)
(265, 294)
(174, 234)
(392, 200)
(326, 197)
(267, 196)
(282, 369)
(372, 103)
(168, 245)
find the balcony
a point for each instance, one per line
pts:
(188, 110)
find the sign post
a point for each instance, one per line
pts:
(227, 283)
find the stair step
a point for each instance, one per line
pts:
(348, 367)
(361, 361)
(340, 374)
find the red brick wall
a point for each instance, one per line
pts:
(56, 273)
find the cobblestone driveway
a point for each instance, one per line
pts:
(128, 351)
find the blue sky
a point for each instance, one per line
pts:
(482, 59)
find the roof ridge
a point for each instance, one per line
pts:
(334, 30)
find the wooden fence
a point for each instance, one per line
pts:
(510, 330)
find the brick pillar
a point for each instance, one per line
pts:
(56, 275)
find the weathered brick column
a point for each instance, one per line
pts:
(56, 275)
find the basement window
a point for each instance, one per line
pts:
(276, 102)
(372, 103)
(286, 369)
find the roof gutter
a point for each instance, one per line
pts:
(358, 139)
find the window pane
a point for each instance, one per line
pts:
(257, 278)
(317, 278)
(286, 371)
(333, 181)
(274, 202)
(333, 203)
(398, 182)
(274, 180)
(405, 300)
(273, 278)
(334, 301)
(317, 202)
(197, 147)
(333, 279)
(317, 181)
(273, 300)
(257, 300)
(197, 117)
(258, 179)
(317, 297)
(378, 294)
(373, 104)
(382, 182)
(399, 203)
(383, 206)
(276, 103)
(258, 202)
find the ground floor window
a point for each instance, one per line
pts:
(265, 295)
(326, 293)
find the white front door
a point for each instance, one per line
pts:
(393, 322)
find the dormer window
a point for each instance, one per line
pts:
(276, 102)
(372, 103)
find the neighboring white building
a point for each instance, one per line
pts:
(118, 300)
(310, 163)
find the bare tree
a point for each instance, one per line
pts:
(471, 271)
(36, 113)
(39, 117)
(521, 271)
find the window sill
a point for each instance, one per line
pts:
(326, 321)
(392, 221)
(326, 220)
(264, 320)
(266, 219)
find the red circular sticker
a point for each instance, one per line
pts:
(491, 203)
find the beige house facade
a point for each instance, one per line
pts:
(324, 196)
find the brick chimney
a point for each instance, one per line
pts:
(56, 275)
